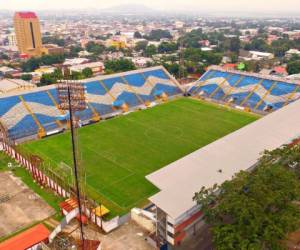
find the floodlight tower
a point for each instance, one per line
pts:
(71, 95)
(181, 54)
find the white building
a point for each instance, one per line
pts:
(141, 62)
(75, 61)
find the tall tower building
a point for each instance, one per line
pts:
(28, 33)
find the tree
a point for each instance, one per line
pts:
(256, 210)
(141, 45)
(87, 72)
(191, 39)
(137, 35)
(53, 40)
(4, 56)
(158, 34)
(120, 65)
(293, 67)
(34, 63)
(46, 79)
(74, 50)
(166, 47)
(26, 77)
(95, 48)
(30, 65)
(150, 50)
(234, 44)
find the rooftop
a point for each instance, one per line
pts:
(26, 239)
(27, 14)
(237, 151)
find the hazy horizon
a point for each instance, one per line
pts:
(269, 6)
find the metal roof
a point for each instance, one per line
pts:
(237, 151)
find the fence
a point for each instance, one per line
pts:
(35, 172)
(52, 183)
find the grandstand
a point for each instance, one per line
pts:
(251, 91)
(36, 113)
(178, 216)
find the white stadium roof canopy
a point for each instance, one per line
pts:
(237, 151)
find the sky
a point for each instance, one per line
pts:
(199, 5)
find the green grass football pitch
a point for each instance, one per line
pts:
(119, 153)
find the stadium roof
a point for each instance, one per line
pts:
(237, 151)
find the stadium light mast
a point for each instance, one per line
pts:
(181, 54)
(71, 95)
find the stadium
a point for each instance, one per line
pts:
(144, 136)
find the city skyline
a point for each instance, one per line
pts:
(167, 5)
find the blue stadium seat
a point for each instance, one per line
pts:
(157, 73)
(283, 88)
(7, 103)
(25, 127)
(135, 80)
(248, 80)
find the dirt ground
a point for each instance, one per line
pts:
(127, 237)
(19, 206)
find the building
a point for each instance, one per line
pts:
(178, 216)
(12, 40)
(141, 62)
(118, 42)
(14, 85)
(292, 52)
(28, 33)
(96, 67)
(52, 49)
(257, 55)
(75, 61)
(30, 239)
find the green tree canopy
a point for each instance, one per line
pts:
(150, 50)
(137, 35)
(120, 65)
(35, 62)
(141, 45)
(256, 210)
(87, 72)
(53, 40)
(158, 34)
(293, 67)
(166, 47)
(26, 77)
(95, 48)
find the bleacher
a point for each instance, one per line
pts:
(37, 110)
(255, 92)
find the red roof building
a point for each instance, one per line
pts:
(26, 15)
(27, 239)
